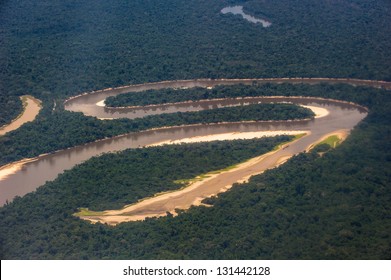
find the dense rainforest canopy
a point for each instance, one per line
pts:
(52, 48)
(311, 207)
(335, 206)
(65, 130)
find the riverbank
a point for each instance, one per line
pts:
(141, 139)
(207, 185)
(31, 108)
(209, 83)
(340, 134)
(228, 136)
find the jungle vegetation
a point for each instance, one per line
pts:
(51, 49)
(332, 207)
(66, 129)
(12, 107)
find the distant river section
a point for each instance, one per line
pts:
(238, 10)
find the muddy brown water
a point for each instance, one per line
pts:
(30, 112)
(46, 168)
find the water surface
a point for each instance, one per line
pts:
(238, 10)
(25, 180)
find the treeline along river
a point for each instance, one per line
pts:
(24, 179)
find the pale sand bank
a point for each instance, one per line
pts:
(101, 103)
(341, 134)
(200, 188)
(32, 106)
(318, 111)
(13, 167)
(9, 170)
(229, 136)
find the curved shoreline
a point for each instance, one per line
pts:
(31, 108)
(12, 167)
(212, 183)
(214, 82)
(205, 83)
(139, 210)
(341, 134)
(229, 136)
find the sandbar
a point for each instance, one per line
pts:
(101, 103)
(341, 134)
(228, 136)
(198, 189)
(31, 108)
(318, 111)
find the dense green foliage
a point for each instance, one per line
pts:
(52, 48)
(168, 95)
(63, 129)
(132, 175)
(335, 206)
(172, 95)
(150, 97)
(12, 107)
(60, 129)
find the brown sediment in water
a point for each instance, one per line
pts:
(86, 103)
(31, 108)
(211, 184)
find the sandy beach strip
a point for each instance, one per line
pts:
(13, 167)
(101, 103)
(198, 189)
(228, 136)
(32, 106)
(341, 134)
(318, 111)
(9, 170)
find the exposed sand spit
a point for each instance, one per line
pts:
(341, 134)
(230, 136)
(318, 111)
(101, 103)
(211, 184)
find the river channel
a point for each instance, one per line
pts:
(238, 10)
(22, 179)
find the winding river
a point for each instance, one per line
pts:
(31, 108)
(238, 10)
(21, 178)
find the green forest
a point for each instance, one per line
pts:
(61, 129)
(53, 49)
(10, 108)
(312, 207)
(334, 205)
(66, 129)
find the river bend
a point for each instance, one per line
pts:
(20, 178)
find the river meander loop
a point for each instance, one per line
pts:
(20, 178)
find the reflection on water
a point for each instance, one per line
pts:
(238, 10)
